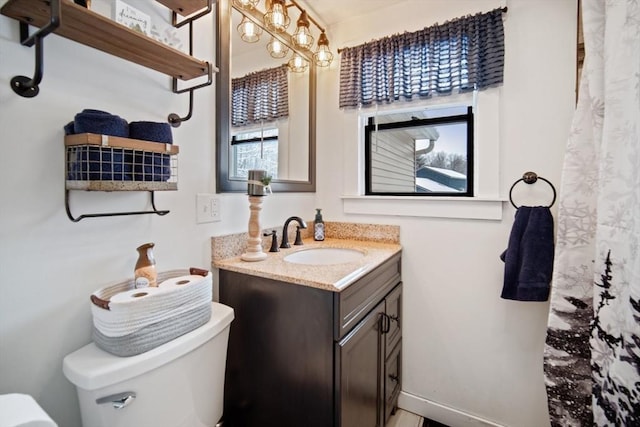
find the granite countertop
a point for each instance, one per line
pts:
(331, 277)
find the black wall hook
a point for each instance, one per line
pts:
(25, 86)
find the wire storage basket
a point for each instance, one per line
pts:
(109, 163)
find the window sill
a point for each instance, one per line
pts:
(428, 207)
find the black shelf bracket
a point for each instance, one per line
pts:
(174, 119)
(206, 11)
(99, 215)
(25, 86)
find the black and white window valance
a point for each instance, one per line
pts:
(261, 96)
(460, 55)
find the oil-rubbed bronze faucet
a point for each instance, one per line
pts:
(285, 231)
(274, 241)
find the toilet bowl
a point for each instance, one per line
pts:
(22, 410)
(177, 384)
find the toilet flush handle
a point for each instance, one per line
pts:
(118, 400)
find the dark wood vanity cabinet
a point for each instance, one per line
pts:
(302, 356)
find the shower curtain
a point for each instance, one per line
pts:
(592, 351)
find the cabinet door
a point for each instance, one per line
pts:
(358, 361)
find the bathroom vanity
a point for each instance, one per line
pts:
(313, 345)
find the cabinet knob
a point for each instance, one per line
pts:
(393, 377)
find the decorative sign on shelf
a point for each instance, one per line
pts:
(131, 17)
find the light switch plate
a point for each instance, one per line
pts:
(207, 208)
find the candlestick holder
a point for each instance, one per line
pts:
(254, 242)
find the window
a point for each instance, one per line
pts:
(418, 154)
(254, 150)
(426, 152)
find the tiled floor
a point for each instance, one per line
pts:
(404, 419)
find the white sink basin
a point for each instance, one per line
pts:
(324, 256)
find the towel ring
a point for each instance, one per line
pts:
(531, 178)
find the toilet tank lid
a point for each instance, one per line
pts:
(92, 368)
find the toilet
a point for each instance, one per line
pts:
(22, 410)
(177, 384)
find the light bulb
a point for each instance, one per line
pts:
(302, 37)
(276, 17)
(249, 31)
(323, 56)
(277, 49)
(297, 64)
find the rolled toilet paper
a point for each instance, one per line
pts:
(22, 410)
(134, 309)
(133, 295)
(180, 281)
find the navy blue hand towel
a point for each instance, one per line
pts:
(528, 259)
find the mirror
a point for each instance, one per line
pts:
(285, 146)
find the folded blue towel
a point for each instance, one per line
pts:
(150, 166)
(69, 129)
(100, 122)
(151, 131)
(528, 258)
(99, 164)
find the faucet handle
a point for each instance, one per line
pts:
(298, 238)
(274, 241)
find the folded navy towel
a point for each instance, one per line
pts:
(528, 258)
(151, 131)
(99, 164)
(100, 122)
(69, 129)
(149, 166)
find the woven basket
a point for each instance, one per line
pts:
(134, 326)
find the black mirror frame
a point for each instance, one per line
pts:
(223, 128)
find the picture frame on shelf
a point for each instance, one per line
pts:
(131, 17)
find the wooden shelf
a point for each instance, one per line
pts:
(118, 142)
(184, 7)
(89, 28)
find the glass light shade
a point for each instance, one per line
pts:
(323, 56)
(297, 64)
(249, 31)
(277, 17)
(277, 49)
(302, 37)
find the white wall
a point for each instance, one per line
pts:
(464, 347)
(469, 357)
(48, 265)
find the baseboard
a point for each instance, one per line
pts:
(441, 413)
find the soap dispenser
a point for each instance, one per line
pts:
(318, 226)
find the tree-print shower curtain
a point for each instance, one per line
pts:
(592, 352)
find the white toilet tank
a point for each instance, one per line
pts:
(178, 384)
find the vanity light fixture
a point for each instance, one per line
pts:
(298, 64)
(302, 37)
(277, 19)
(249, 31)
(277, 49)
(323, 56)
